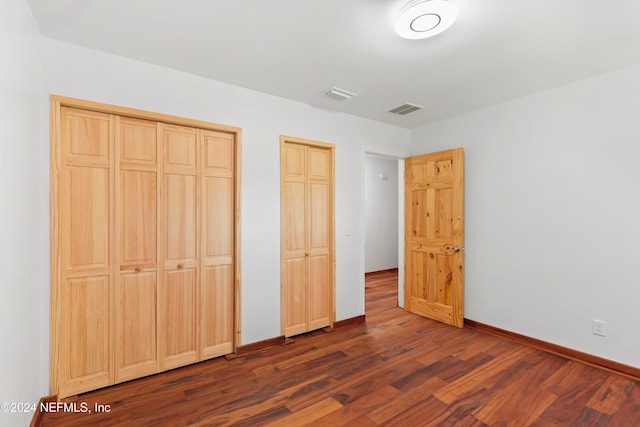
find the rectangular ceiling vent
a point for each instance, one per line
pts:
(338, 94)
(406, 109)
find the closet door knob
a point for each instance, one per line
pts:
(180, 265)
(138, 268)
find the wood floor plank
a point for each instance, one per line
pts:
(395, 369)
(309, 414)
(574, 384)
(406, 400)
(629, 411)
(356, 405)
(500, 409)
(461, 412)
(611, 395)
(420, 414)
(478, 378)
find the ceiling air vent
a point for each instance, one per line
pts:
(338, 94)
(406, 109)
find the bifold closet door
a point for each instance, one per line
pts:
(178, 295)
(306, 237)
(83, 341)
(144, 259)
(137, 247)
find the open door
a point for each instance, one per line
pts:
(434, 236)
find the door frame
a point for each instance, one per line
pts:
(332, 224)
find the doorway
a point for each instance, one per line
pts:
(384, 216)
(432, 189)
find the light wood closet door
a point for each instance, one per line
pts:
(307, 253)
(294, 239)
(84, 338)
(144, 253)
(178, 296)
(217, 244)
(136, 248)
(319, 236)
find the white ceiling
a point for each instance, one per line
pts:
(497, 49)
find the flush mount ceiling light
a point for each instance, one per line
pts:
(420, 19)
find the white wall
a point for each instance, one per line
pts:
(82, 73)
(553, 212)
(23, 212)
(380, 214)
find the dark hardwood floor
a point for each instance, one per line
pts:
(397, 369)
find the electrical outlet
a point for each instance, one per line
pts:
(598, 327)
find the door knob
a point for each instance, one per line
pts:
(181, 265)
(456, 249)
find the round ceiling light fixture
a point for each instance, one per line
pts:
(420, 19)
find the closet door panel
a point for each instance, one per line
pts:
(136, 319)
(319, 292)
(85, 335)
(219, 153)
(294, 270)
(294, 278)
(138, 143)
(217, 244)
(319, 268)
(216, 278)
(319, 218)
(217, 220)
(136, 343)
(180, 149)
(179, 308)
(319, 164)
(180, 211)
(86, 222)
(294, 229)
(179, 318)
(138, 219)
(85, 137)
(216, 298)
(84, 325)
(294, 162)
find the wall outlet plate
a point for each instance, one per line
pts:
(597, 327)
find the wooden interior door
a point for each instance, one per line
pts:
(178, 306)
(137, 195)
(307, 241)
(83, 336)
(217, 243)
(434, 236)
